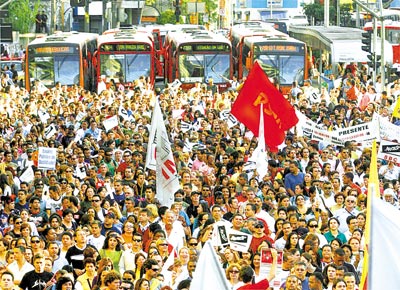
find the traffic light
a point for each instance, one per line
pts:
(367, 41)
(177, 10)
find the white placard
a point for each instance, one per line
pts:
(28, 175)
(110, 123)
(239, 241)
(47, 158)
(50, 131)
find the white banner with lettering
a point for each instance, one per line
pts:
(360, 133)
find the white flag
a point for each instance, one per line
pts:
(259, 154)
(384, 253)
(209, 273)
(166, 174)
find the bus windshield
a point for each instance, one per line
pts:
(286, 68)
(202, 67)
(52, 69)
(129, 67)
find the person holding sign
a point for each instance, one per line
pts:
(247, 275)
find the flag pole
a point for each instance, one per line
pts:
(373, 191)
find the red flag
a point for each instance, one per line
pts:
(279, 114)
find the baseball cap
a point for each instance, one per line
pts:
(389, 191)
(110, 215)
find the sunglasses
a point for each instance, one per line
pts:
(18, 223)
(155, 269)
(234, 271)
(258, 227)
(193, 244)
(35, 241)
(138, 241)
(164, 245)
(97, 200)
(313, 226)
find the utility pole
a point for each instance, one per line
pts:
(86, 17)
(381, 19)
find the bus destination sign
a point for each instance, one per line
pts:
(125, 47)
(54, 49)
(276, 47)
(205, 47)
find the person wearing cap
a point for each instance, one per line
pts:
(108, 224)
(389, 196)
(349, 209)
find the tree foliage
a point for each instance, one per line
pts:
(315, 13)
(22, 14)
(167, 16)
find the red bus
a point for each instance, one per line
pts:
(197, 56)
(125, 56)
(280, 56)
(64, 57)
(392, 35)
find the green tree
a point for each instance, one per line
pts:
(167, 16)
(22, 14)
(315, 12)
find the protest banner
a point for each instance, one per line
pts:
(389, 151)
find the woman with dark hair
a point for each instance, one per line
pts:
(333, 232)
(4, 185)
(278, 227)
(16, 231)
(65, 283)
(335, 244)
(329, 274)
(112, 249)
(55, 223)
(199, 222)
(292, 242)
(68, 222)
(142, 284)
(87, 202)
(255, 264)
(202, 208)
(140, 258)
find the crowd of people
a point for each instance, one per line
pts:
(94, 221)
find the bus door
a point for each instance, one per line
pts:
(158, 45)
